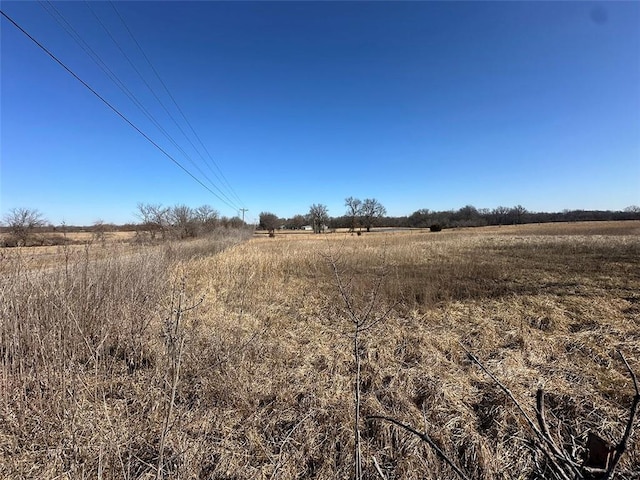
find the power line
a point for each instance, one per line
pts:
(114, 109)
(117, 44)
(58, 17)
(224, 179)
(62, 21)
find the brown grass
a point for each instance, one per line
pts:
(266, 384)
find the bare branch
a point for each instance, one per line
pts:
(543, 422)
(382, 317)
(547, 437)
(195, 305)
(504, 389)
(622, 445)
(376, 290)
(333, 262)
(631, 373)
(426, 438)
(546, 441)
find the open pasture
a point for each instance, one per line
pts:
(101, 379)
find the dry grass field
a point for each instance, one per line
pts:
(238, 362)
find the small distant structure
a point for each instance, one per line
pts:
(307, 228)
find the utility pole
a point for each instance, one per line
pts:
(243, 210)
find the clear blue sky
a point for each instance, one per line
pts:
(419, 105)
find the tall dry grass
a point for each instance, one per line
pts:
(83, 382)
(266, 383)
(549, 310)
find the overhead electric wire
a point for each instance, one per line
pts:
(222, 176)
(58, 17)
(62, 21)
(117, 44)
(114, 109)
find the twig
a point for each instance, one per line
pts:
(546, 435)
(175, 357)
(547, 442)
(380, 472)
(426, 438)
(195, 305)
(357, 453)
(167, 417)
(622, 445)
(362, 320)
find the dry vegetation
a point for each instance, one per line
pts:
(262, 372)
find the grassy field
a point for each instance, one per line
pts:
(108, 372)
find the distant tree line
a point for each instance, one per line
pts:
(370, 213)
(360, 214)
(470, 216)
(26, 226)
(182, 221)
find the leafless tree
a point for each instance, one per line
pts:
(233, 222)
(207, 217)
(353, 210)
(370, 211)
(500, 215)
(100, 229)
(183, 221)
(155, 218)
(319, 216)
(22, 223)
(517, 213)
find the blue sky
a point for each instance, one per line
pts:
(417, 104)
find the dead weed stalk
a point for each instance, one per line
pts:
(174, 343)
(600, 459)
(362, 318)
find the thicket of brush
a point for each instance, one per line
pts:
(108, 373)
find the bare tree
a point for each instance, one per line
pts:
(319, 216)
(207, 217)
(155, 218)
(371, 210)
(353, 210)
(517, 213)
(100, 229)
(500, 215)
(420, 218)
(183, 221)
(269, 221)
(22, 222)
